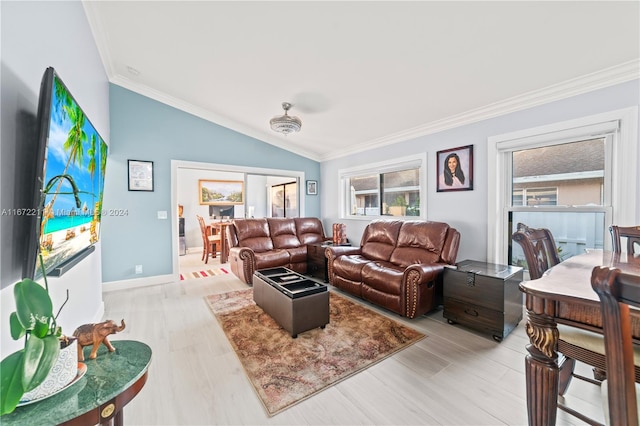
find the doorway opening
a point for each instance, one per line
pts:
(256, 202)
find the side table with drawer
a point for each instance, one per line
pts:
(483, 296)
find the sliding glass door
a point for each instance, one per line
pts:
(284, 200)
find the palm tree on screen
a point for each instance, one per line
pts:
(73, 145)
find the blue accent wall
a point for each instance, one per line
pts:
(144, 129)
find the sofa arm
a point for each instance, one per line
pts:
(333, 252)
(243, 263)
(419, 282)
(423, 273)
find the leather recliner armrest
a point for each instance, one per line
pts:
(426, 273)
(243, 263)
(415, 276)
(335, 251)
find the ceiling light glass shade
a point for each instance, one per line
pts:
(285, 123)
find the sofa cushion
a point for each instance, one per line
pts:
(298, 254)
(309, 230)
(283, 232)
(254, 234)
(379, 239)
(419, 242)
(350, 267)
(383, 276)
(272, 258)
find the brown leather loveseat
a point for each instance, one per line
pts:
(398, 265)
(271, 242)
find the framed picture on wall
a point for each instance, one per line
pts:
(312, 187)
(455, 169)
(140, 175)
(212, 192)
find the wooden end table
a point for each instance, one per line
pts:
(483, 296)
(317, 261)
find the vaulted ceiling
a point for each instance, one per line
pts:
(362, 74)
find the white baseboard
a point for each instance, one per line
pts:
(138, 282)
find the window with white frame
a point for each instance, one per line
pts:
(573, 206)
(393, 188)
(575, 178)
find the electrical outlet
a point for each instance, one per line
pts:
(138, 269)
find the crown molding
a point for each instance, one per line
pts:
(101, 39)
(621, 73)
(597, 80)
(99, 36)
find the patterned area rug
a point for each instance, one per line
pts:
(285, 371)
(203, 274)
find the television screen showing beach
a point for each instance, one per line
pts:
(72, 187)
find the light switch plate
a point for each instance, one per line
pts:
(162, 214)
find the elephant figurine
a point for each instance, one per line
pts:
(95, 334)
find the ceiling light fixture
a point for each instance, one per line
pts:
(285, 123)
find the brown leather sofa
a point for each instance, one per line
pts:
(398, 265)
(270, 242)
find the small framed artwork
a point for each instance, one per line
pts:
(455, 169)
(312, 187)
(213, 192)
(140, 175)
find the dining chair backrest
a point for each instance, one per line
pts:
(631, 233)
(203, 227)
(539, 248)
(617, 291)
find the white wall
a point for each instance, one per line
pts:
(467, 210)
(257, 196)
(36, 35)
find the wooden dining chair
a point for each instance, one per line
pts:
(541, 253)
(210, 242)
(631, 233)
(617, 292)
(539, 248)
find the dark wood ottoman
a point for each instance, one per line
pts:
(295, 302)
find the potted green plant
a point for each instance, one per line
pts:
(33, 321)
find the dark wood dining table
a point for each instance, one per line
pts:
(220, 227)
(563, 295)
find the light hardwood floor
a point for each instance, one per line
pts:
(453, 377)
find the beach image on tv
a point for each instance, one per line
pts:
(75, 163)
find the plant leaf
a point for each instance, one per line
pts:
(39, 357)
(17, 330)
(11, 389)
(40, 330)
(32, 303)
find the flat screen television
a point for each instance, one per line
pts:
(70, 167)
(221, 211)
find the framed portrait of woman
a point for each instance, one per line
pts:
(455, 169)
